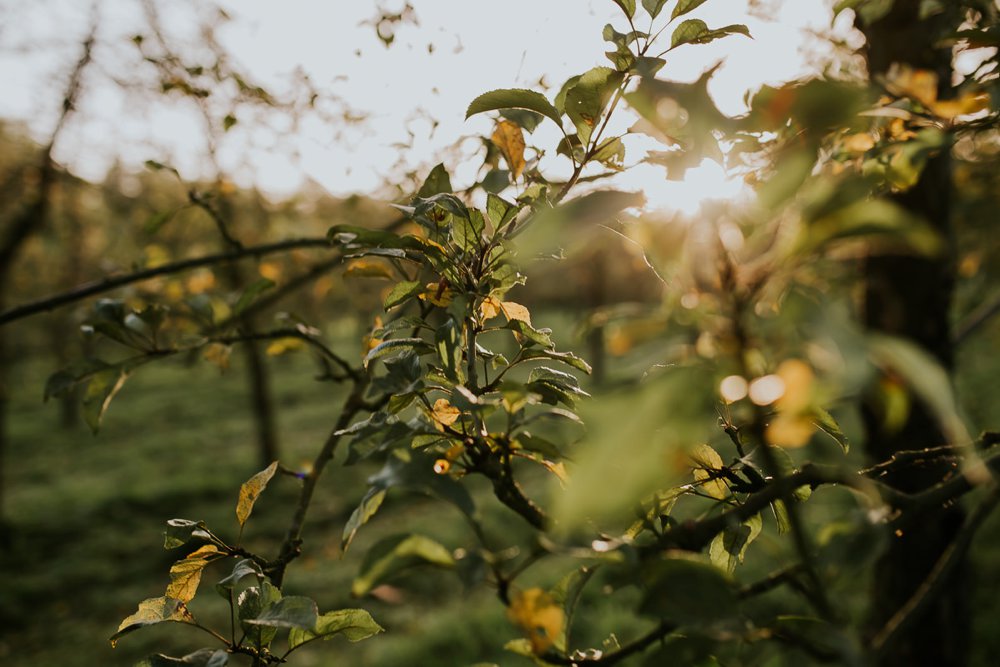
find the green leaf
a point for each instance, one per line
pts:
(696, 31)
(871, 219)
(526, 120)
(730, 546)
(228, 122)
(610, 153)
(395, 554)
(412, 471)
(566, 594)
(654, 7)
(588, 97)
(825, 422)
(401, 293)
(687, 32)
(397, 345)
(243, 568)
(466, 231)
(499, 211)
(628, 6)
(448, 341)
(181, 531)
(436, 183)
(514, 98)
(684, 6)
(352, 236)
(567, 358)
(353, 624)
(531, 334)
(648, 67)
(65, 379)
(362, 513)
(925, 377)
(251, 603)
(869, 11)
(293, 611)
(251, 490)
(250, 294)
(686, 590)
(101, 389)
(151, 612)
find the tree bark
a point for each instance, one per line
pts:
(910, 297)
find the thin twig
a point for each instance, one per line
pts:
(613, 658)
(107, 284)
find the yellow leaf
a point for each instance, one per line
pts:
(858, 143)
(789, 430)
(270, 270)
(541, 618)
(918, 84)
(364, 268)
(489, 308)
(153, 610)
(444, 412)
(218, 354)
(185, 575)
(155, 255)
(251, 490)
(968, 103)
(515, 311)
(799, 380)
(200, 282)
(282, 345)
(706, 459)
(897, 130)
(370, 342)
(510, 140)
(557, 469)
(438, 293)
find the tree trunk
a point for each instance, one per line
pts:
(910, 297)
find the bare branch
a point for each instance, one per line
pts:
(114, 282)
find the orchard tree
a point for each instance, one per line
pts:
(715, 497)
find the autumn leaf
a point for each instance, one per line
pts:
(510, 140)
(438, 293)
(185, 575)
(218, 354)
(706, 459)
(251, 490)
(364, 268)
(789, 430)
(444, 412)
(282, 345)
(489, 309)
(150, 612)
(798, 378)
(922, 86)
(515, 311)
(537, 613)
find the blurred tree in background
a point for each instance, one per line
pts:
(696, 501)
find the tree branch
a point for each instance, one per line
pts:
(110, 283)
(626, 651)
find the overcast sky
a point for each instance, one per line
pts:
(476, 46)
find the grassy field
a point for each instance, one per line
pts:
(88, 512)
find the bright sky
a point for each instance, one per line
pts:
(478, 46)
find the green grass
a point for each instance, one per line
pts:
(87, 515)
